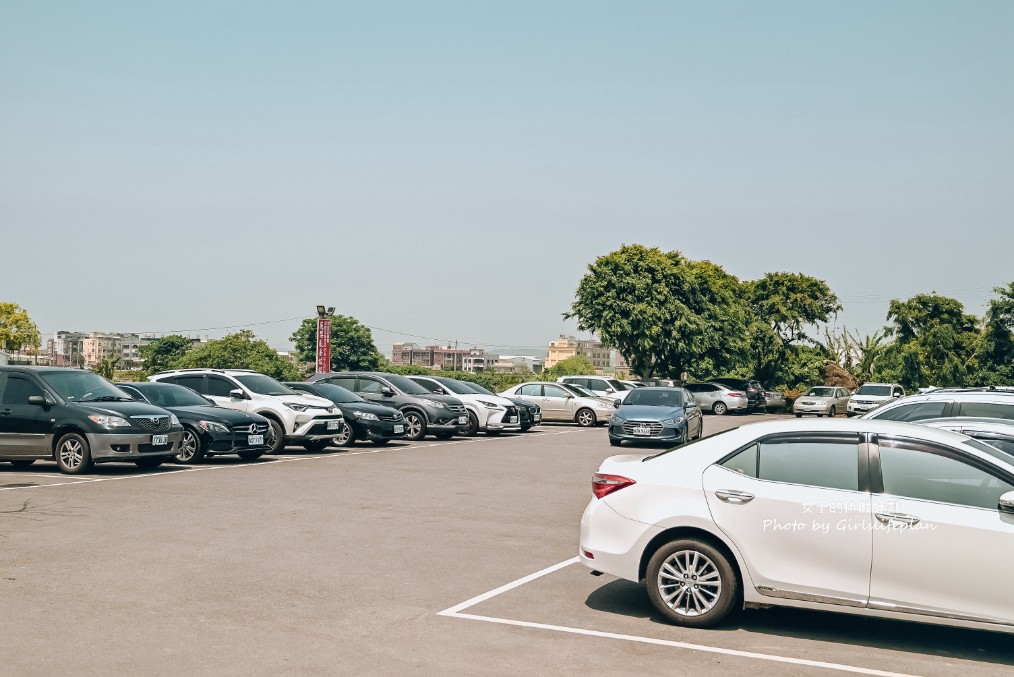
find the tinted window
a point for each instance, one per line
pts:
(655, 398)
(369, 385)
(531, 389)
(877, 391)
(347, 382)
(192, 382)
(430, 386)
(405, 385)
(82, 386)
(169, 395)
(554, 391)
(133, 392)
(914, 472)
(456, 387)
(818, 462)
(333, 392)
(219, 387)
(917, 411)
(987, 410)
(597, 384)
(19, 389)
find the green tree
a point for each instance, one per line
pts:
(352, 346)
(572, 366)
(164, 353)
(17, 331)
(241, 350)
(106, 367)
(665, 313)
(935, 340)
(995, 352)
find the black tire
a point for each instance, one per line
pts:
(316, 445)
(73, 454)
(191, 449)
(615, 442)
(346, 437)
(833, 411)
(473, 426)
(443, 436)
(585, 418)
(149, 462)
(683, 560)
(250, 454)
(23, 462)
(380, 443)
(277, 436)
(820, 415)
(685, 437)
(526, 427)
(799, 416)
(415, 426)
(719, 408)
(493, 433)
(849, 414)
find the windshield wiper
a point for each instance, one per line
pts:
(108, 398)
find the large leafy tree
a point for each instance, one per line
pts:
(164, 353)
(935, 341)
(241, 350)
(665, 313)
(17, 331)
(995, 355)
(352, 346)
(572, 366)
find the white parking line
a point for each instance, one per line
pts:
(455, 612)
(244, 466)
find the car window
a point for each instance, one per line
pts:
(133, 392)
(817, 462)
(554, 391)
(917, 411)
(922, 472)
(219, 387)
(597, 384)
(369, 385)
(531, 390)
(19, 389)
(347, 382)
(986, 410)
(192, 382)
(430, 386)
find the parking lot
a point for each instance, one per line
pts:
(450, 557)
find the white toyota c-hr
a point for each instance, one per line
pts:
(875, 518)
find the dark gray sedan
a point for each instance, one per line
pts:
(656, 415)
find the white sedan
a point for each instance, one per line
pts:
(875, 518)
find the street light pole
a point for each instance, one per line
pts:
(324, 339)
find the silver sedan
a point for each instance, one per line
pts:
(822, 401)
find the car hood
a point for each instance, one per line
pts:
(122, 408)
(522, 403)
(446, 399)
(648, 413)
(218, 414)
(492, 399)
(307, 399)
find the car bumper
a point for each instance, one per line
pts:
(317, 428)
(736, 403)
(669, 433)
(377, 430)
(127, 446)
(862, 408)
(496, 422)
(822, 409)
(611, 543)
(233, 443)
(446, 421)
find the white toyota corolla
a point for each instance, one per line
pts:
(876, 518)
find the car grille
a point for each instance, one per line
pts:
(511, 411)
(251, 429)
(862, 401)
(153, 423)
(456, 408)
(656, 427)
(390, 417)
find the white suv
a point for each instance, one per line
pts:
(602, 386)
(949, 403)
(491, 414)
(872, 395)
(295, 418)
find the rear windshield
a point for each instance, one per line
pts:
(878, 391)
(655, 398)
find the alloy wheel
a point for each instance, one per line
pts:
(585, 418)
(413, 425)
(343, 436)
(71, 454)
(689, 583)
(189, 446)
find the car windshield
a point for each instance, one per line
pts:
(169, 395)
(655, 398)
(879, 391)
(406, 385)
(83, 386)
(577, 390)
(820, 392)
(454, 386)
(264, 385)
(478, 389)
(336, 393)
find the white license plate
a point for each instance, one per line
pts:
(514, 419)
(399, 429)
(159, 440)
(462, 420)
(642, 430)
(254, 440)
(537, 418)
(334, 425)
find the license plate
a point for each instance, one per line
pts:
(642, 430)
(399, 429)
(537, 418)
(159, 440)
(462, 420)
(253, 440)
(334, 425)
(514, 419)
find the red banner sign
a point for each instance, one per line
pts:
(323, 346)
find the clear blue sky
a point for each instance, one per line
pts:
(449, 168)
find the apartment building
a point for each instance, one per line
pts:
(433, 357)
(87, 349)
(569, 346)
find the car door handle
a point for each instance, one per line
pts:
(730, 496)
(897, 518)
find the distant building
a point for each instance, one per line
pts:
(87, 349)
(478, 360)
(432, 357)
(516, 363)
(569, 346)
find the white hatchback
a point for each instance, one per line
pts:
(856, 516)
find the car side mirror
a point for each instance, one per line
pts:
(237, 394)
(38, 400)
(897, 394)
(1006, 503)
(386, 392)
(616, 404)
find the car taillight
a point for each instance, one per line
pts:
(603, 485)
(735, 394)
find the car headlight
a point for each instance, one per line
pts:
(365, 416)
(603, 405)
(296, 407)
(211, 426)
(173, 420)
(432, 403)
(489, 405)
(618, 419)
(110, 421)
(677, 420)
(820, 402)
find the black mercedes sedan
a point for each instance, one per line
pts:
(208, 429)
(363, 420)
